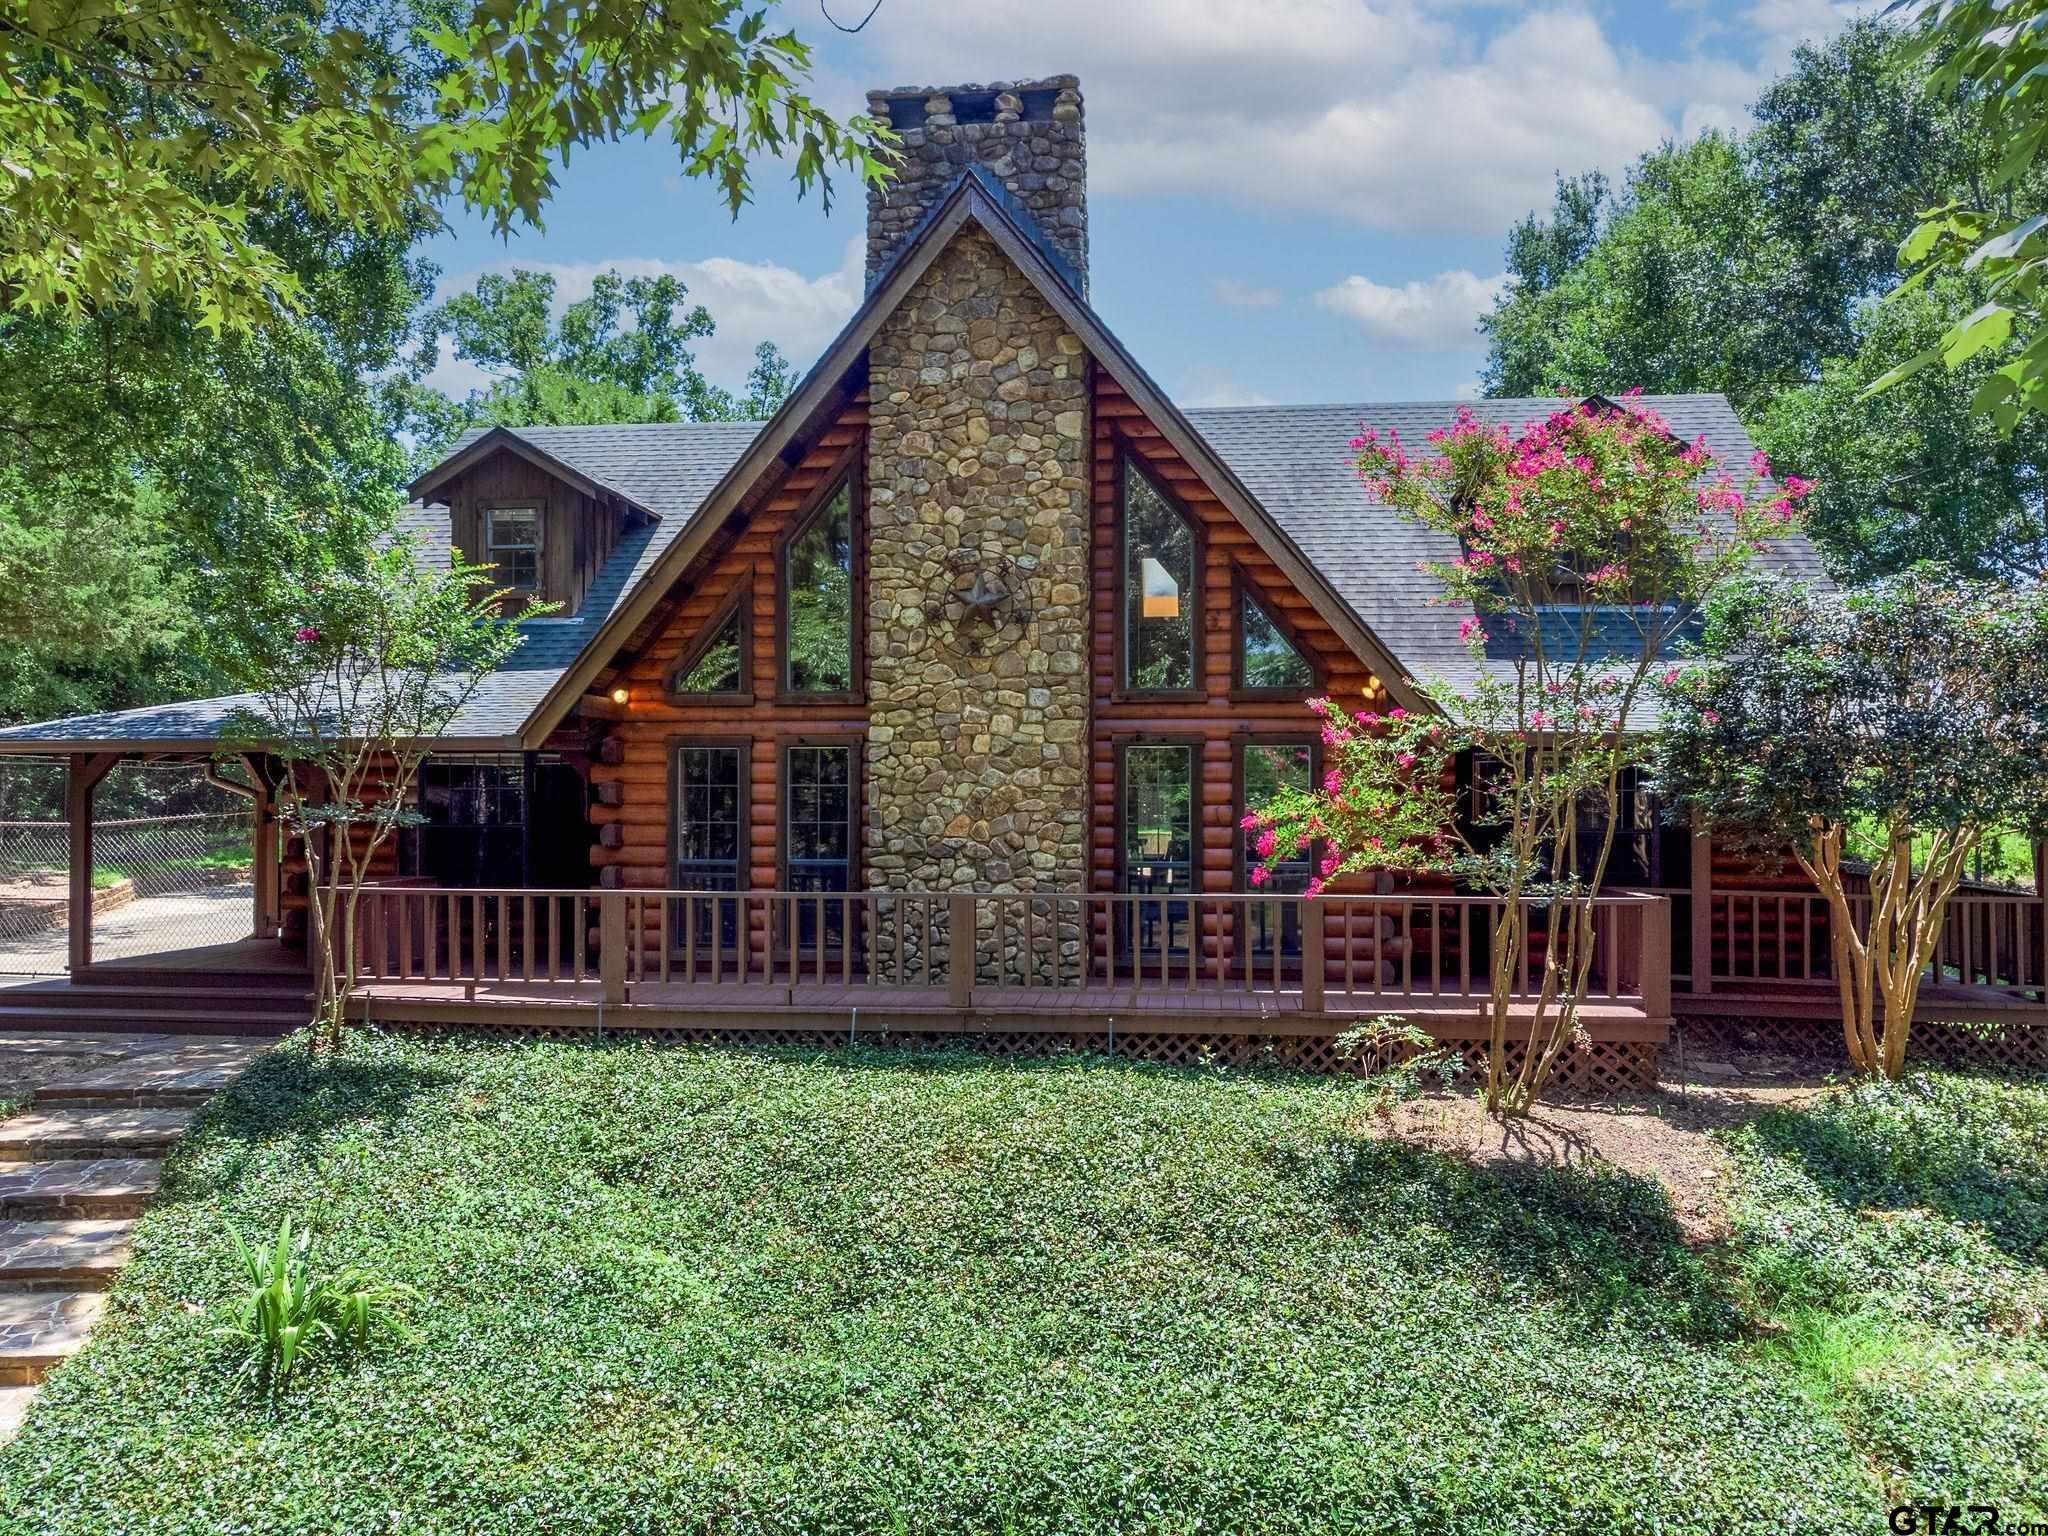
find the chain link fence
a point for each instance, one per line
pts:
(173, 865)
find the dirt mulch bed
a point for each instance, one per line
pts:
(1666, 1135)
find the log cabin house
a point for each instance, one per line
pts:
(930, 706)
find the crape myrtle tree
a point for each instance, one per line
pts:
(1821, 725)
(1589, 538)
(354, 665)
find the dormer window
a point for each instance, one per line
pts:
(512, 545)
(817, 599)
(1159, 589)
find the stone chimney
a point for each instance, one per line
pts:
(1029, 135)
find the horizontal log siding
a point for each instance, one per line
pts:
(642, 739)
(1216, 718)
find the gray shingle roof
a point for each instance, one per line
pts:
(1293, 459)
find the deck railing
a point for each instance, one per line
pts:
(1343, 952)
(1990, 940)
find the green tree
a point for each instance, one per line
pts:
(1748, 265)
(140, 144)
(1913, 474)
(1996, 53)
(620, 354)
(1915, 708)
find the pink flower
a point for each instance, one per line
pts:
(308, 635)
(1259, 874)
(1708, 717)
(1670, 676)
(1266, 844)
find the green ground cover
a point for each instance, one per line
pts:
(739, 1291)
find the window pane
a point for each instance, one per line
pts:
(473, 821)
(1269, 661)
(710, 843)
(708, 832)
(1267, 770)
(819, 573)
(818, 827)
(512, 544)
(819, 824)
(718, 669)
(1158, 822)
(1159, 589)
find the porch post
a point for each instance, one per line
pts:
(1702, 909)
(1312, 957)
(86, 771)
(1655, 961)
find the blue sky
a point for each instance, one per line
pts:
(1290, 200)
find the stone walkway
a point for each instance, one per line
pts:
(76, 1169)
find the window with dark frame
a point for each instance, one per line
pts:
(472, 828)
(710, 834)
(817, 832)
(1267, 661)
(512, 545)
(1157, 831)
(1159, 591)
(1264, 769)
(720, 667)
(817, 600)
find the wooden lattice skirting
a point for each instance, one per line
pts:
(1602, 1069)
(2000, 1047)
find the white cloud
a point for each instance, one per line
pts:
(1400, 114)
(1437, 314)
(1228, 290)
(752, 302)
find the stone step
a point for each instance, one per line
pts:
(14, 1403)
(185, 1075)
(62, 1255)
(265, 1023)
(39, 1137)
(40, 1328)
(103, 1187)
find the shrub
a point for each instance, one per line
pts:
(291, 1314)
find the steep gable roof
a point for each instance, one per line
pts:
(976, 198)
(1281, 470)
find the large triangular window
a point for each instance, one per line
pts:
(1268, 661)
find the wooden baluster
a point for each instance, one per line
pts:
(1408, 949)
(662, 905)
(1464, 949)
(554, 906)
(1347, 940)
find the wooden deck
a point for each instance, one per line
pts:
(896, 1010)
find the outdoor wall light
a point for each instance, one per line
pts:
(621, 695)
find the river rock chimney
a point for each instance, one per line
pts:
(1029, 135)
